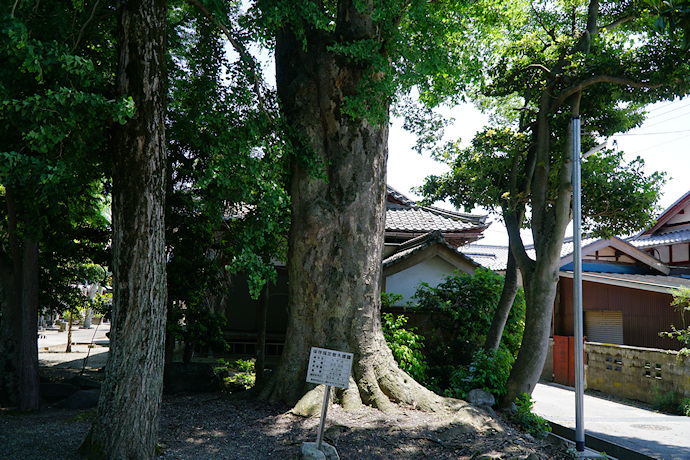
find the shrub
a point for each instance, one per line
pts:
(405, 345)
(527, 420)
(685, 406)
(461, 309)
(667, 403)
(242, 375)
(488, 371)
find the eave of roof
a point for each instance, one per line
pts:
(654, 283)
(662, 239)
(668, 214)
(419, 244)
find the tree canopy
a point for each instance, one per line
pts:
(601, 61)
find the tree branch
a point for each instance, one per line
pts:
(81, 32)
(617, 23)
(241, 50)
(566, 93)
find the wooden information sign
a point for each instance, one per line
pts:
(329, 367)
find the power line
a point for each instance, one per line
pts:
(659, 145)
(645, 126)
(666, 107)
(651, 134)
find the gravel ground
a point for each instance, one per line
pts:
(216, 426)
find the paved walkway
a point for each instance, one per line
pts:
(52, 345)
(657, 435)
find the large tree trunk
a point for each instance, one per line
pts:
(10, 339)
(29, 398)
(126, 425)
(337, 229)
(505, 304)
(18, 379)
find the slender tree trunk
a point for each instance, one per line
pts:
(70, 322)
(29, 398)
(126, 424)
(337, 229)
(505, 304)
(540, 277)
(261, 339)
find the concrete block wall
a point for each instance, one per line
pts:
(636, 373)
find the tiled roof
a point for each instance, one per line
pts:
(682, 236)
(404, 215)
(492, 257)
(424, 219)
(416, 245)
(397, 196)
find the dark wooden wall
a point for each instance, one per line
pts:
(645, 313)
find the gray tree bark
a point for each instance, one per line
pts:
(505, 304)
(337, 229)
(126, 424)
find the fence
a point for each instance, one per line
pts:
(636, 373)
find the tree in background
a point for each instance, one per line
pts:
(55, 107)
(227, 207)
(598, 60)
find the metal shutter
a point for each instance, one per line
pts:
(604, 326)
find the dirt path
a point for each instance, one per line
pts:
(213, 426)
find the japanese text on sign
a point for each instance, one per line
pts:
(329, 367)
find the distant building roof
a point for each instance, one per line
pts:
(492, 257)
(661, 239)
(404, 216)
(418, 244)
(657, 283)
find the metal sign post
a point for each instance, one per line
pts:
(577, 283)
(330, 368)
(577, 290)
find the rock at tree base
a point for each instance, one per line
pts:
(327, 452)
(82, 399)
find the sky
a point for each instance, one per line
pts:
(663, 142)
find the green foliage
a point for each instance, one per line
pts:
(405, 345)
(685, 407)
(462, 309)
(489, 370)
(527, 420)
(674, 17)
(668, 403)
(681, 304)
(242, 374)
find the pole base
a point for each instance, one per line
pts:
(327, 452)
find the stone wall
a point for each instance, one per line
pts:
(636, 373)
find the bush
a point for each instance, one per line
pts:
(242, 375)
(405, 345)
(488, 371)
(528, 421)
(668, 403)
(685, 406)
(461, 309)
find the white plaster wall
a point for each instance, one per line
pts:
(431, 271)
(680, 218)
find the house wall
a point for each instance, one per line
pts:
(431, 271)
(645, 313)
